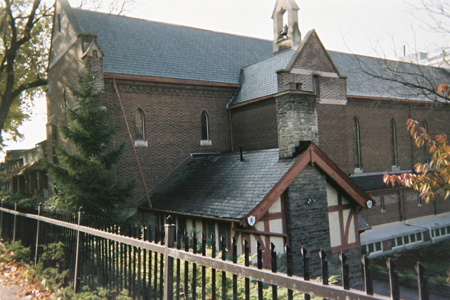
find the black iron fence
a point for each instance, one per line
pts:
(156, 262)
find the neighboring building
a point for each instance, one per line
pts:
(438, 58)
(194, 97)
(24, 171)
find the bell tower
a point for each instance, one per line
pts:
(286, 33)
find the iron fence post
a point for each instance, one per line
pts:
(393, 280)
(37, 235)
(422, 282)
(273, 256)
(15, 225)
(260, 264)
(168, 278)
(247, 263)
(305, 269)
(75, 278)
(324, 264)
(290, 264)
(344, 271)
(224, 275)
(234, 246)
(213, 271)
(368, 283)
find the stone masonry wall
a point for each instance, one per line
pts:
(297, 121)
(307, 225)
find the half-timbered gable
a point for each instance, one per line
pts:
(305, 201)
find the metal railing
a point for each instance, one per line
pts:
(166, 264)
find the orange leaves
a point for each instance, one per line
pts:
(444, 90)
(431, 179)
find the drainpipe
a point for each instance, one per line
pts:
(426, 227)
(231, 131)
(132, 145)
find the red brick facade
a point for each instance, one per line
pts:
(173, 130)
(172, 126)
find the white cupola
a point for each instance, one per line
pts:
(286, 33)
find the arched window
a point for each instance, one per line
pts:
(394, 143)
(140, 125)
(357, 144)
(205, 126)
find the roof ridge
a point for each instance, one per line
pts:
(385, 59)
(167, 23)
(270, 57)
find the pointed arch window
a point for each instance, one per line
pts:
(394, 144)
(139, 121)
(357, 144)
(205, 126)
(206, 139)
(425, 147)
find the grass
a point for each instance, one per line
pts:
(434, 257)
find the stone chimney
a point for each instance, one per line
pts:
(297, 120)
(286, 33)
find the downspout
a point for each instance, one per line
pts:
(132, 145)
(411, 138)
(426, 227)
(231, 130)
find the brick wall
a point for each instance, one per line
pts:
(172, 127)
(285, 78)
(255, 126)
(400, 205)
(314, 57)
(337, 136)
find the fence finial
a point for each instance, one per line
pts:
(422, 282)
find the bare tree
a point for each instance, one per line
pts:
(410, 79)
(116, 7)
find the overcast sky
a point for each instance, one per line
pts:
(368, 27)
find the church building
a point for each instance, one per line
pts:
(276, 141)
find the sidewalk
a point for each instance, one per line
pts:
(10, 292)
(382, 288)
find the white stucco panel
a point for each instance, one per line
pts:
(276, 207)
(276, 226)
(335, 231)
(260, 226)
(351, 228)
(332, 195)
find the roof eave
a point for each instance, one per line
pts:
(167, 80)
(312, 155)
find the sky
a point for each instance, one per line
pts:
(381, 28)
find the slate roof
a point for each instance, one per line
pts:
(373, 182)
(359, 83)
(260, 80)
(140, 47)
(221, 186)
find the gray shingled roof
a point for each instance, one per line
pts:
(260, 80)
(221, 186)
(359, 70)
(141, 47)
